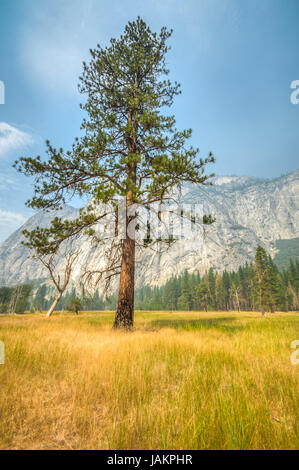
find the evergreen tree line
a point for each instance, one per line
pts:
(252, 287)
(255, 286)
(44, 297)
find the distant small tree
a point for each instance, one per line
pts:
(75, 305)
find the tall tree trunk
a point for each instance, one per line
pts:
(124, 315)
(51, 309)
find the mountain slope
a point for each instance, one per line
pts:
(16, 265)
(248, 211)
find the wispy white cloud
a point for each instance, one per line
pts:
(12, 138)
(12, 218)
(9, 222)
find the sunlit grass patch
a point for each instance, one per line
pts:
(181, 380)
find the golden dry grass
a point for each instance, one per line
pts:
(180, 381)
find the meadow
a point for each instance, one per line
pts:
(180, 380)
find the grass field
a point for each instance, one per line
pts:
(179, 381)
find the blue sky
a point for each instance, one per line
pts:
(235, 60)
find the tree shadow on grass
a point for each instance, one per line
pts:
(224, 324)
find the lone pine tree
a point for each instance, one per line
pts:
(130, 149)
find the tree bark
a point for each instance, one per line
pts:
(124, 316)
(51, 309)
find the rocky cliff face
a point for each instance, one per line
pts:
(16, 263)
(248, 211)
